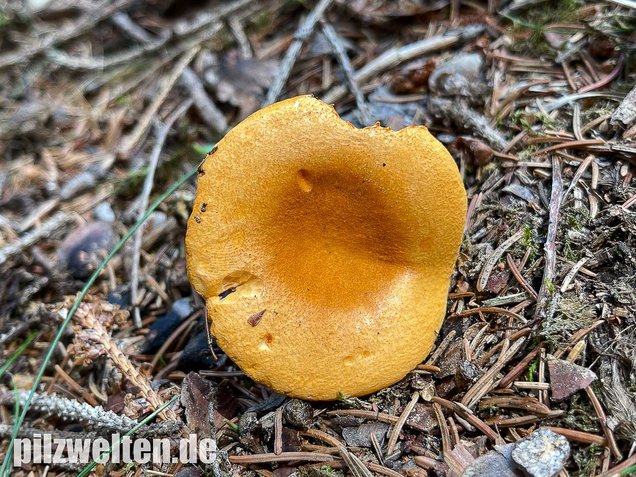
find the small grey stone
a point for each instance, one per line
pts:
(361, 436)
(104, 212)
(492, 464)
(298, 413)
(82, 250)
(542, 453)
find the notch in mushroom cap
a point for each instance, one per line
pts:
(324, 252)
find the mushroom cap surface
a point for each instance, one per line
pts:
(323, 251)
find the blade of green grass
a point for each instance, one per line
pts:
(85, 471)
(4, 470)
(18, 352)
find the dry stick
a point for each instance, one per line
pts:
(467, 118)
(302, 33)
(521, 420)
(572, 273)
(130, 141)
(53, 224)
(245, 49)
(278, 431)
(101, 11)
(607, 79)
(549, 271)
(347, 68)
(579, 436)
(490, 263)
(395, 433)
(569, 145)
(602, 418)
(443, 428)
(489, 309)
(208, 111)
(86, 396)
(578, 174)
(203, 29)
(322, 436)
(395, 56)
(153, 161)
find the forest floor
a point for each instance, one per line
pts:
(107, 108)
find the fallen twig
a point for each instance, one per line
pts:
(162, 134)
(395, 56)
(97, 14)
(491, 261)
(625, 114)
(208, 111)
(345, 64)
(468, 119)
(47, 229)
(130, 142)
(547, 289)
(302, 33)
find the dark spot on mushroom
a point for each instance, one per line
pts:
(200, 171)
(256, 318)
(384, 164)
(227, 292)
(197, 219)
(213, 150)
(203, 207)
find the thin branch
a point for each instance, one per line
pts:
(53, 224)
(101, 11)
(347, 68)
(549, 271)
(396, 56)
(130, 141)
(162, 134)
(302, 33)
(208, 111)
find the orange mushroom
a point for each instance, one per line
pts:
(324, 252)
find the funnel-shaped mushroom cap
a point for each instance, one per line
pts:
(324, 252)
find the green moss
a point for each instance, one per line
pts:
(571, 315)
(351, 402)
(536, 20)
(322, 471)
(533, 370)
(586, 459)
(550, 286)
(569, 252)
(580, 415)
